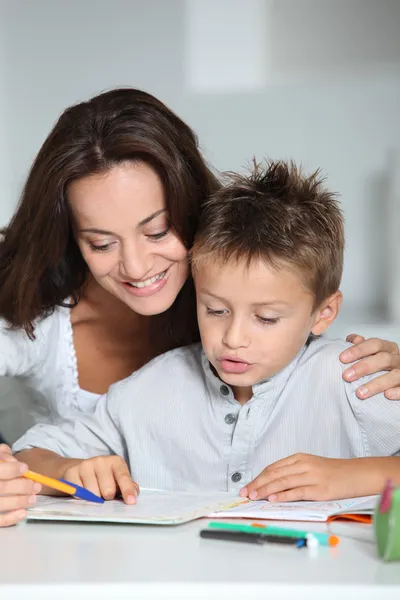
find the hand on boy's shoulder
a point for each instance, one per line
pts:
(376, 359)
(327, 355)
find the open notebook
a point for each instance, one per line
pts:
(354, 509)
(160, 507)
(154, 507)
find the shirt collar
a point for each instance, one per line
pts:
(215, 383)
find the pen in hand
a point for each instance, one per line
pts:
(63, 486)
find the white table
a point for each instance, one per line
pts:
(76, 561)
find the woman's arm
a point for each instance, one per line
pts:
(372, 356)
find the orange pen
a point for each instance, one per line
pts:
(63, 486)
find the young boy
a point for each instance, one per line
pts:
(261, 407)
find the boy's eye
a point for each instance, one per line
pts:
(158, 236)
(268, 321)
(216, 313)
(102, 248)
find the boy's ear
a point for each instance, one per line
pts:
(327, 313)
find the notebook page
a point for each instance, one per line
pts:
(298, 511)
(153, 507)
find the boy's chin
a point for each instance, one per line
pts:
(238, 380)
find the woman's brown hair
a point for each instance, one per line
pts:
(40, 263)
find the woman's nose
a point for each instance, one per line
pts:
(136, 263)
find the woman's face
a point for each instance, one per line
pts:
(122, 229)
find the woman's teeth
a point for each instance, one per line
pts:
(146, 282)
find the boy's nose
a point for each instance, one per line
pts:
(236, 336)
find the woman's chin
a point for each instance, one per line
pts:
(152, 304)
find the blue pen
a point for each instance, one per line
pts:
(83, 493)
(61, 485)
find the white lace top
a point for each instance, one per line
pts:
(47, 366)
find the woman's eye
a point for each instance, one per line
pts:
(268, 321)
(102, 248)
(158, 236)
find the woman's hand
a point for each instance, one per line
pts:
(16, 492)
(373, 355)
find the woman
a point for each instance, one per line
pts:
(94, 277)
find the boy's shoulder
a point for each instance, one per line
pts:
(324, 349)
(186, 357)
(323, 354)
(181, 363)
(319, 365)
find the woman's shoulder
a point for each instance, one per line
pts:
(46, 327)
(178, 364)
(35, 357)
(54, 325)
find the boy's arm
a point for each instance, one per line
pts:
(48, 446)
(47, 463)
(308, 477)
(105, 476)
(377, 471)
(80, 436)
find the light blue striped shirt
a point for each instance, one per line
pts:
(180, 427)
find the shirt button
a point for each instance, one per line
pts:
(230, 419)
(236, 477)
(224, 390)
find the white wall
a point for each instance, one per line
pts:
(330, 95)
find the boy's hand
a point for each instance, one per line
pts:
(309, 477)
(105, 476)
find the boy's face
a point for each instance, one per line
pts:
(253, 320)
